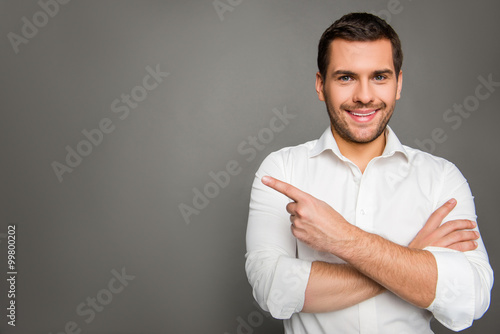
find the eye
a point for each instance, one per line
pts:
(379, 77)
(345, 78)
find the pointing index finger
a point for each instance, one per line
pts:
(284, 188)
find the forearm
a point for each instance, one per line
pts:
(334, 287)
(409, 273)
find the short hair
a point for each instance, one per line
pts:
(359, 27)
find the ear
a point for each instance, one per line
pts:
(320, 86)
(400, 85)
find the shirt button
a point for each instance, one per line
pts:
(362, 212)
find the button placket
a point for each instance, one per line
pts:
(364, 214)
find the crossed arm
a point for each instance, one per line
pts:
(374, 264)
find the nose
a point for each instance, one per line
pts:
(363, 93)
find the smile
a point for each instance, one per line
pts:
(362, 115)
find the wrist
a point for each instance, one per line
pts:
(346, 243)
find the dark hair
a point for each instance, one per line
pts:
(359, 27)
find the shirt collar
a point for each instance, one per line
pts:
(327, 142)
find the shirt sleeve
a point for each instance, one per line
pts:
(277, 277)
(465, 279)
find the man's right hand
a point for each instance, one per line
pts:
(454, 234)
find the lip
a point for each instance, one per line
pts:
(362, 115)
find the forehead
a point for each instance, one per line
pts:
(360, 56)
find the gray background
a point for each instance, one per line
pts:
(120, 207)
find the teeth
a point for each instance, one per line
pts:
(363, 115)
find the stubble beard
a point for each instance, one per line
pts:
(342, 128)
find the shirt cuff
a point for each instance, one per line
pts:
(288, 288)
(453, 305)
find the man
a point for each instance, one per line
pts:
(382, 236)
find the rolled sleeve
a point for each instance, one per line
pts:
(463, 287)
(278, 284)
(454, 302)
(277, 277)
(464, 279)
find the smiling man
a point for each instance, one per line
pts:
(355, 232)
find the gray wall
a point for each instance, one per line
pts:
(119, 207)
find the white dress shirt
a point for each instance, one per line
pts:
(393, 198)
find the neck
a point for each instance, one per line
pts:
(360, 153)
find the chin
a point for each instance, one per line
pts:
(366, 137)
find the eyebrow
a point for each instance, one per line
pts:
(386, 71)
(342, 72)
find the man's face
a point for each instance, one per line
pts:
(360, 88)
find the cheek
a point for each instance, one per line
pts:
(339, 95)
(388, 94)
